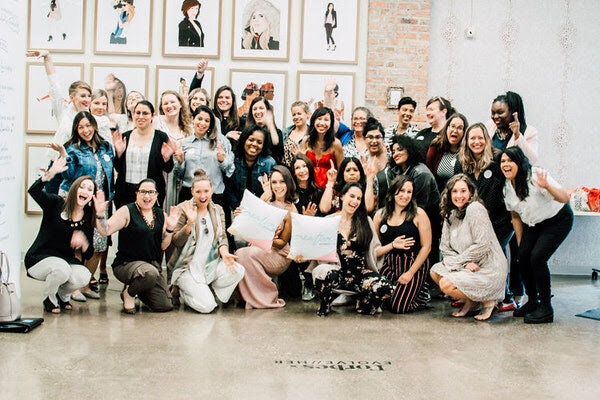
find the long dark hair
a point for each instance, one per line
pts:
(524, 170)
(233, 121)
(404, 142)
(313, 135)
(339, 180)
(211, 133)
(360, 231)
(515, 105)
(441, 140)
(389, 204)
(446, 204)
(75, 139)
(332, 9)
(89, 211)
(250, 118)
(290, 194)
(240, 152)
(313, 189)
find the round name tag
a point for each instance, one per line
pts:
(106, 157)
(487, 174)
(420, 138)
(383, 229)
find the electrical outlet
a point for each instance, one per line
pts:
(470, 33)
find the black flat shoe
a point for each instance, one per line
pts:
(50, 307)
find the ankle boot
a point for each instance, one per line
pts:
(541, 315)
(528, 307)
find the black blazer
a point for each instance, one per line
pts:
(188, 37)
(156, 167)
(334, 15)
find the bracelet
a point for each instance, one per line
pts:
(170, 230)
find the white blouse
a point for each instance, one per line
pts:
(538, 206)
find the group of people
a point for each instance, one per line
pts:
(452, 205)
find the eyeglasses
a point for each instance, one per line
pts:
(203, 221)
(147, 192)
(371, 137)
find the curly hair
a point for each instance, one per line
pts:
(184, 120)
(446, 204)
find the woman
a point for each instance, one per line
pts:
(321, 146)
(356, 249)
(252, 161)
(350, 171)
(202, 256)
(405, 235)
(257, 32)
(330, 24)
(437, 110)
(190, 30)
(65, 238)
(99, 109)
(375, 137)
(257, 288)
(225, 109)
(198, 97)
(510, 128)
(406, 111)
(87, 154)
(261, 114)
(443, 151)
(141, 153)
(145, 231)
(126, 122)
(206, 149)
(473, 268)
(354, 141)
(292, 136)
(542, 219)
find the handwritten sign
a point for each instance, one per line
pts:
(314, 238)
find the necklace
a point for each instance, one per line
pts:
(502, 135)
(149, 223)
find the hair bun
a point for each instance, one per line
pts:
(200, 173)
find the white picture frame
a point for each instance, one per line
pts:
(117, 30)
(58, 28)
(311, 86)
(35, 161)
(168, 78)
(132, 76)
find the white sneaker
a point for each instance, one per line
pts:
(308, 294)
(342, 300)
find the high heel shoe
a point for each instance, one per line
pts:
(64, 305)
(125, 309)
(103, 279)
(50, 307)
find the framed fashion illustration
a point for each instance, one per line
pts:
(35, 161)
(123, 27)
(39, 114)
(56, 25)
(260, 30)
(248, 84)
(330, 89)
(330, 31)
(191, 28)
(172, 77)
(118, 80)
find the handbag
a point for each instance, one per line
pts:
(10, 308)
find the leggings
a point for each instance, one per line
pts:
(328, 32)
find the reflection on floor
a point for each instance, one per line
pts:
(96, 352)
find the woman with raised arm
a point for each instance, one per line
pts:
(351, 171)
(65, 238)
(225, 109)
(145, 231)
(261, 114)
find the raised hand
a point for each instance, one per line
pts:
(190, 211)
(100, 203)
(172, 218)
(234, 135)
(403, 243)
(37, 53)
(310, 209)
(331, 173)
(202, 64)
(119, 143)
(58, 167)
(266, 184)
(168, 149)
(542, 178)
(371, 169)
(59, 148)
(220, 152)
(514, 126)
(179, 155)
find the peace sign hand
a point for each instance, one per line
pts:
(220, 152)
(331, 173)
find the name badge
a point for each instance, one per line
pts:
(420, 138)
(487, 174)
(383, 229)
(106, 157)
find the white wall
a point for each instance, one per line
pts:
(221, 65)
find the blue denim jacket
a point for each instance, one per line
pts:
(237, 182)
(81, 161)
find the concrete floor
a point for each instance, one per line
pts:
(97, 352)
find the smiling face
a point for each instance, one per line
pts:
(374, 141)
(201, 124)
(404, 195)
(225, 101)
(146, 196)
(259, 112)
(278, 186)
(455, 131)
(322, 124)
(85, 130)
(351, 172)
(258, 23)
(434, 114)
(254, 145)
(132, 99)
(351, 200)
(197, 100)
(476, 141)
(170, 105)
(460, 194)
(301, 171)
(405, 114)
(501, 114)
(399, 155)
(359, 119)
(81, 99)
(99, 106)
(85, 192)
(142, 116)
(202, 193)
(509, 167)
(299, 117)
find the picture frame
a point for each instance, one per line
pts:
(35, 161)
(39, 116)
(123, 28)
(199, 37)
(320, 28)
(393, 96)
(273, 23)
(168, 78)
(312, 85)
(131, 76)
(59, 29)
(239, 79)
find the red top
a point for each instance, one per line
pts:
(322, 165)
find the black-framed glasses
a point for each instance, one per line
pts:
(147, 192)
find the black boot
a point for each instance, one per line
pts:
(528, 307)
(541, 315)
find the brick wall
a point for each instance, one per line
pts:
(397, 55)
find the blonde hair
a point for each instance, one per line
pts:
(184, 120)
(467, 159)
(79, 85)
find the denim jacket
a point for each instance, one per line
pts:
(81, 161)
(237, 182)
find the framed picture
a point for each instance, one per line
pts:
(330, 31)
(123, 27)
(56, 25)
(248, 84)
(118, 80)
(39, 116)
(260, 30)
(35, 162)
(176, 78)
(393, 96)
(191, 28)
(330, 89)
